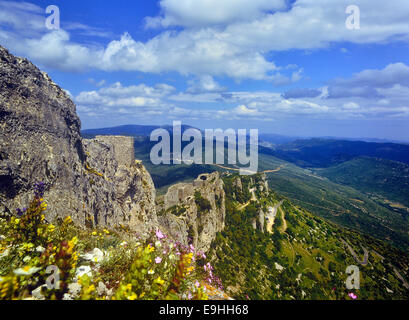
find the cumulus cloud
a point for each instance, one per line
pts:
(203, 13)
(302, 93)
(121, 99)
(367, 83)
(205, 83)
(229, 38)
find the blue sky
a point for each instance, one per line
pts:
(287, 67)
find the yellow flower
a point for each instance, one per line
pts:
(94, 233)
(133, 297)
(68, 220)
(160, 281)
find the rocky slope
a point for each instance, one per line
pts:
(97, 181)
(194, 212)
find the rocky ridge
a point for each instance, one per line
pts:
(96, 181)
(194, 212)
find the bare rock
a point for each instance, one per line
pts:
(183, 219)
(97, 182)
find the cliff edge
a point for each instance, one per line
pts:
(97, 182)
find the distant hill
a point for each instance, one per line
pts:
(128, 130)
(322, 153)
(387, 178)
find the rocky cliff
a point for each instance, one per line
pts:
(194, 212)
(97, 181)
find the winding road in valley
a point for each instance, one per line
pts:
(252, 172)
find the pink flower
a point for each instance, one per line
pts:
(352, 295)
(159, 234)
(197, 284)
(158, 260)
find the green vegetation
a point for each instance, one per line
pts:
(203, 205)
(338, 203)
(376, 177)
(323, 153)
(120, 266)
(306, 261)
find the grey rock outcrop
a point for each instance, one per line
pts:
(182, 218)
(96, 181)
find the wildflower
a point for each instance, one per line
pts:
(68, 220)
(133, 297)
(5, 253)
(352, 295)
(21, 212)
(158, 260)
(197, 284)
(94, 233)
(160, 281)
(26, 271)
(160, 235)
(39, 189)
(151, 272)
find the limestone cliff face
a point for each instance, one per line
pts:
(95, 181)
(194, 212)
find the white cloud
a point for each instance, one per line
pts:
(371, 83)
(205, 83)
(118, 97)
(231, 39)
(202, 13)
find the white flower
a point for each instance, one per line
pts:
(37, 293)
(95, 255)
(67, 296)
(26, 271)
(74, 289)
(5, 253)
(83, 270)
(26, 258)
(40, 249)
